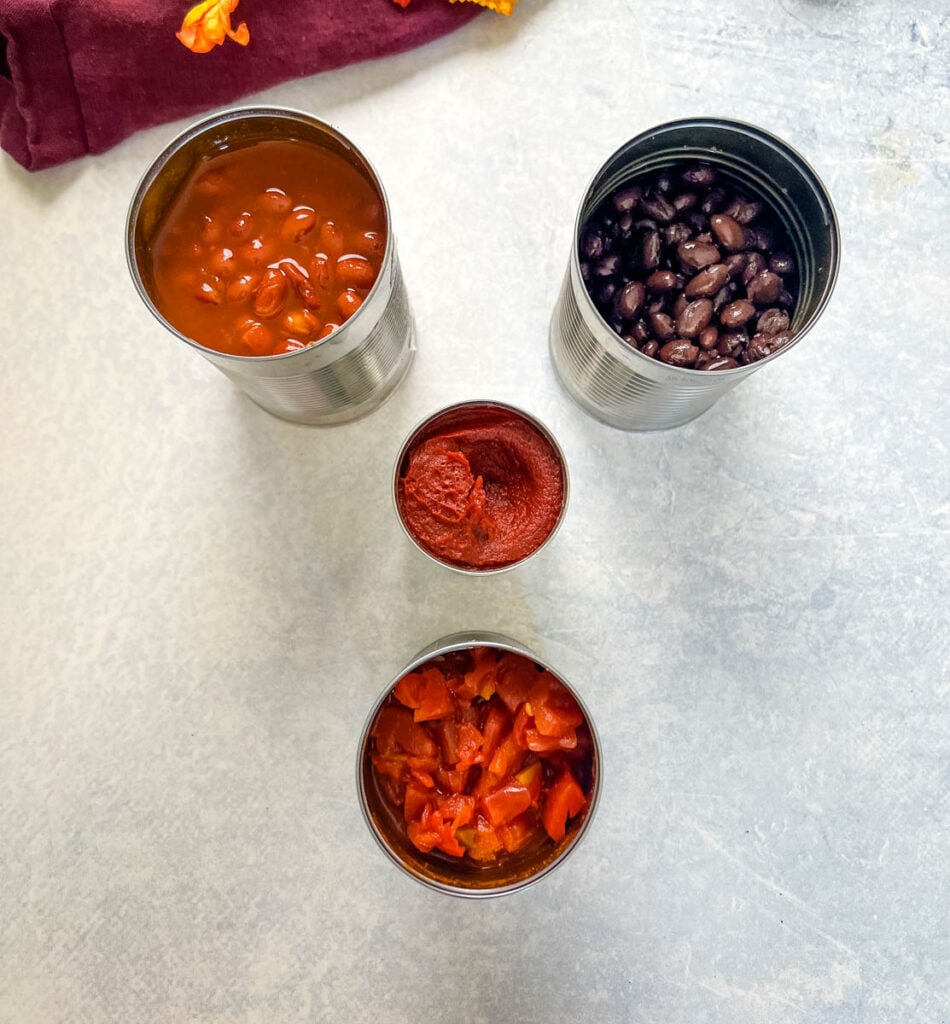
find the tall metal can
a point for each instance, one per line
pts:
(344, 376)
(625, 388)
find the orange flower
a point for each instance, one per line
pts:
(207, 24)
(502, 6)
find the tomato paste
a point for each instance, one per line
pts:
(480, 486)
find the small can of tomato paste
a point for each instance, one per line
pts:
(261, 237)
(479, 768)
(672, 294)
(480, 486)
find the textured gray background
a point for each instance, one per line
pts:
(199, 602)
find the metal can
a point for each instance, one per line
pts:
(443, 873)
(466, 414)
(618, 384)
(354, 369)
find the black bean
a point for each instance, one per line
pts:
(629, 300)
(679, 352)
(707, 282)
(699, 174)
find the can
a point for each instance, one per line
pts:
(619, 385)
(443, 874)
(465, 414)
(344, 376)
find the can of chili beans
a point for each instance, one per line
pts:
(479, 768)
(622, 342)
(294, 293)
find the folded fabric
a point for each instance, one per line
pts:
(78, 76)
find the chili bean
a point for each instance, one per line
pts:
(210, 229)
(301, 323)
(321, 271)
(271, 293)
(348, 302)
(299, 223)
(257, 252)
(241, 227)
(301, 282)
(258, 339)
(208, 291)
(288, 345)
(242, 288)
(328, 329)
(276, 200)
(331, 239)
(355, 271)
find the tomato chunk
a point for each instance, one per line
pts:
(563, 800)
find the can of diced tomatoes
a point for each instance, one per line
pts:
(293, 292)
(479, 767)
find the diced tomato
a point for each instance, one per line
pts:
(518, 831)
(553, 721)
(414, 801)
(447, 732)
(395, 732)
(508, 757)
(408, 691)
(494, 727)
(541, 744)
(506, 803)
(563, 800)
(451, 780)
(469, 746)
(435, 699)
(516, 676)
(530, 778)
(458, 808)
(482, 677)
(523, 722)
(485, 843)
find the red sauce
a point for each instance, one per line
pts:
(481, 755)
(268, 248)
(481, 487)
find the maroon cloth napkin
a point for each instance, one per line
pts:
(78, 76)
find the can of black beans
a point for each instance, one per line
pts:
(702, 250)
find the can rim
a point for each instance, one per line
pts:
(194, 131)
(460, 641)
(481, 403)
(634, 356)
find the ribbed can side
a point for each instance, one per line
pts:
(349, 387)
